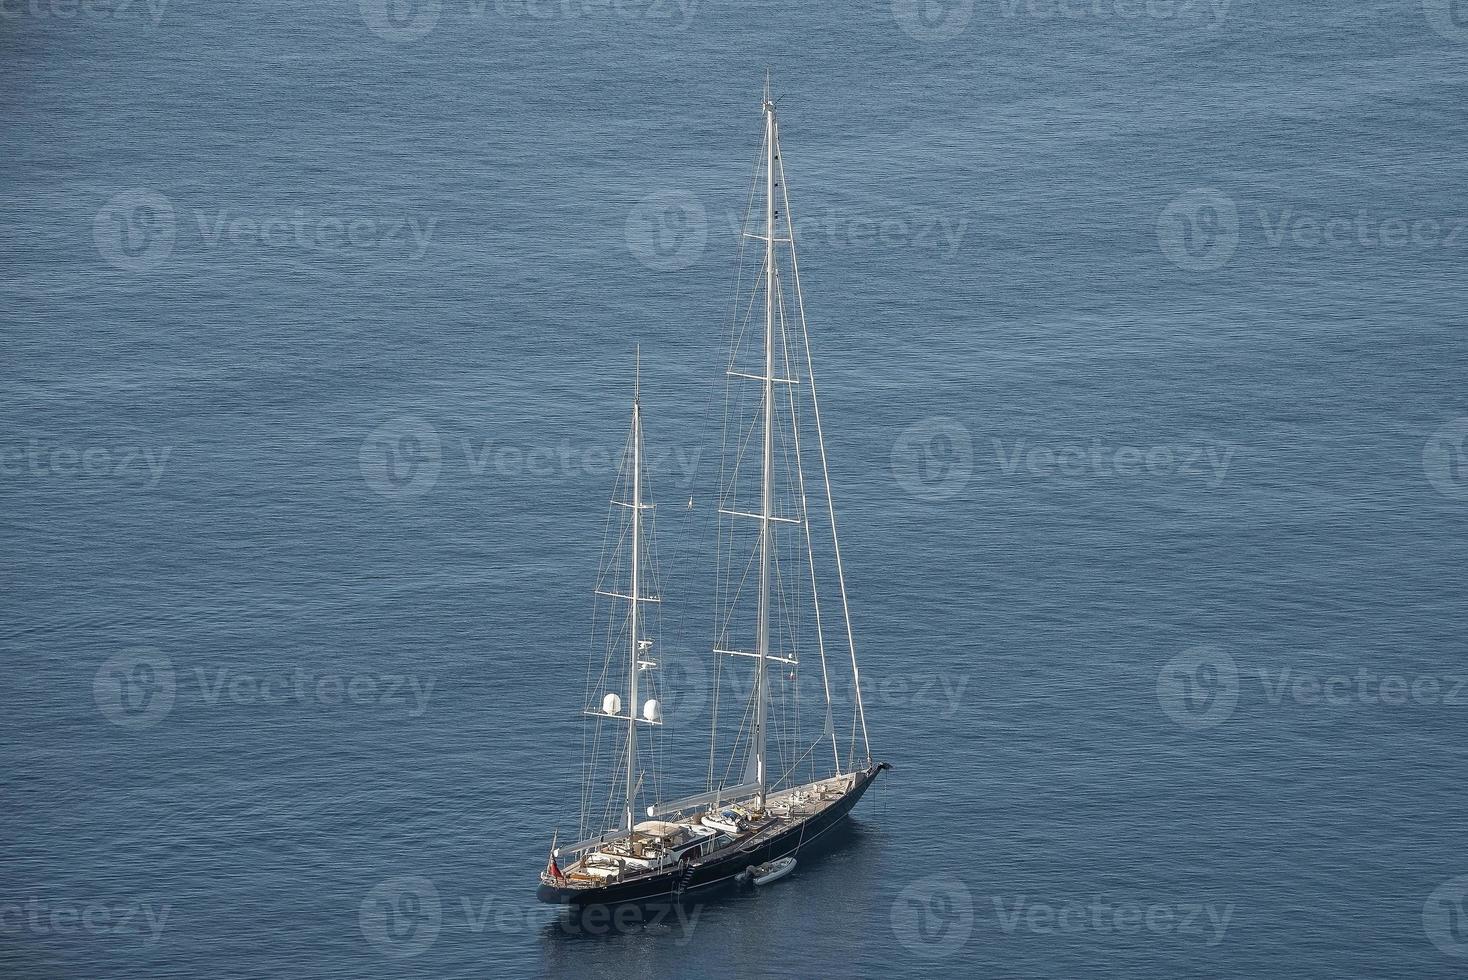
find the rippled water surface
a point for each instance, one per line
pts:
(1141, 336)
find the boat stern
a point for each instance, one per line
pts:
(555, 894)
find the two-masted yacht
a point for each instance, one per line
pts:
(787, 777)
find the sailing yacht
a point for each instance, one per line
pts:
(788, 777)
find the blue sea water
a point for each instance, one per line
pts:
(1140, 333)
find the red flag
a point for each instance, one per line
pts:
(551, 869)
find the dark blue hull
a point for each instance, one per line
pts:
(718, 872)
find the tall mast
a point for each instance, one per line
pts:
(634, 653)
(767, 492)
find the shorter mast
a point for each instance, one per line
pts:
(634, 652)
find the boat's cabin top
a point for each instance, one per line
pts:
(659, 844)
